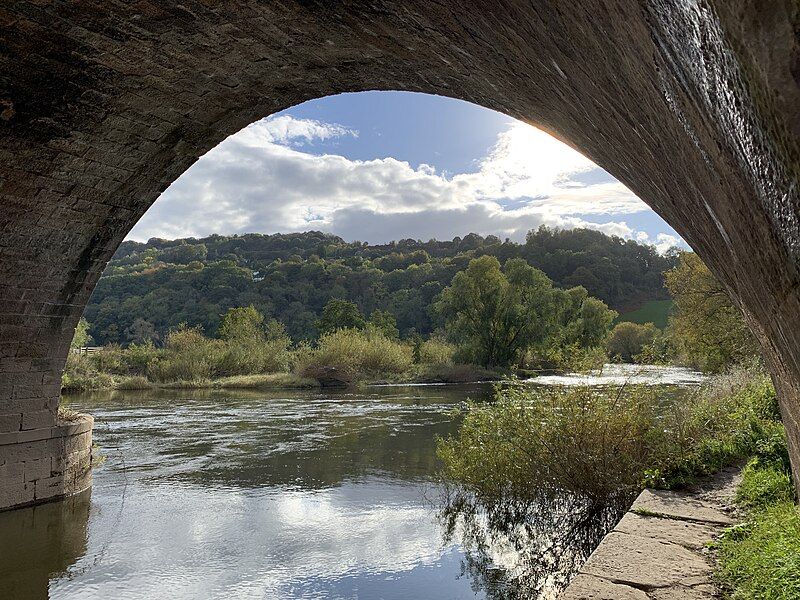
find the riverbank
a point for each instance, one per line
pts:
(271, 381)
(660, 548)
(320, 377)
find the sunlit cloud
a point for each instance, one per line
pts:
(265, 179)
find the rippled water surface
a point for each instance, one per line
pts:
(245, 494)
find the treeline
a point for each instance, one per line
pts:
(150, 288)
(499, 318)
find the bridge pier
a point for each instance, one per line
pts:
(45, 463)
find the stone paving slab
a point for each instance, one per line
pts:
(680, 505)
(684, 533)
(657, 550)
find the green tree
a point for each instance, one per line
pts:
(586, 321)
(628, 340)
(497, 313)
(707, 330)
(384, 322)
(340, 314)
(81, 336)
(242, 325)
(141, 331)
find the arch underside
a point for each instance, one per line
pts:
(695, 106)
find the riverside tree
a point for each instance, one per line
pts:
(495, 313)
(340, 314)
(707, 330)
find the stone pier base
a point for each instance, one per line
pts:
(39, 465)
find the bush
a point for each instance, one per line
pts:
(354, 353)
(436, 351)
(596, 443)
(254, 359)
(138, 358)
(188, 356)
(728, 419)
(541, 443)
(628, 340)
(109, 359)
(81, 374)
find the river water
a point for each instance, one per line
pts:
(242, 494)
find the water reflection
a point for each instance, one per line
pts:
(523, 550)
(40, 543)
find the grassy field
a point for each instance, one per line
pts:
(654, 311)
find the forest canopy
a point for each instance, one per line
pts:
(153, 287)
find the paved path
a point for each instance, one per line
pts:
(657, 551)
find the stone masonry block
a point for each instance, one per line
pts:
(38, 468)
(37, 419)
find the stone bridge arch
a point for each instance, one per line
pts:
(693, 104)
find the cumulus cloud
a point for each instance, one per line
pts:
(262, 180)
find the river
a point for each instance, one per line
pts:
(243, 494)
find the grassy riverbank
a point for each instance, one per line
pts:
(596, 442)
(189, 360)
(760, 556)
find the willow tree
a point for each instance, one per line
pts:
(496, 313)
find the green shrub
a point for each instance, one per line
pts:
(436, 351)
(109, 359)
(137, 358)
(531, 443)
(188, 356)
(592, 442)
(726, 420)
(254, 359)
(354, 353)
(81, 374)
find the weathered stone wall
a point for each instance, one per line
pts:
(38, 465)
(692, 104)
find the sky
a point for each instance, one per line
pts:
(382, 166)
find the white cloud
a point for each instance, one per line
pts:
(288, 130)
(258, 180)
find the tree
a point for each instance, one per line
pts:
(242, 325)
(81, 338)
(628, 340)
(141, 332)
(586, 321)
(497, 313)
(384, 322)
(708, 331)
(340, 314)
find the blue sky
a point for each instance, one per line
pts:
(377, 166)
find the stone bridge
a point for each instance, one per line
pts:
(693, 104)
